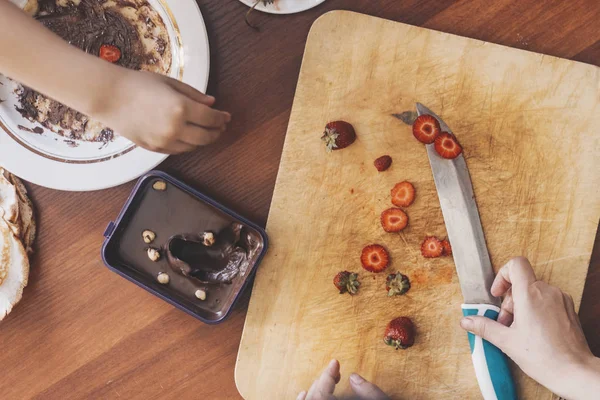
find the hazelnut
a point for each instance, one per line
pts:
(153, 254)
(162, 278)
(208, 239)
(148, 236)
(159, 185)
(201, 294)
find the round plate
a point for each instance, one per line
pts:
(52, 161)
(284, 6)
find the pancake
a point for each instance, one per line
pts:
(17, 234)
(14, 268)
(26, 220)
(9, 203)
(132, 26)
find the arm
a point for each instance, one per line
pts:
(539, 329)
(156, 112)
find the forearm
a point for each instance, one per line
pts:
(36, 57)
(582, 382)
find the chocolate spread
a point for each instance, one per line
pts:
(219, 263)
(37, 129)
(89, 25)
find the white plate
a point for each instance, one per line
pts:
(284, 6)
(48, 160)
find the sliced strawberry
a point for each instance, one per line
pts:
(338, 135)
(394, 220)
(447, 248)
(383, 163)
(110, 53)
(426, 128)
(403, 194)
(374, 258)
(447, 146)
(431, 247)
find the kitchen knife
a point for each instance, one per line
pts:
(473, 265)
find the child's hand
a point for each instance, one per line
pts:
(153, 111)
(539, 329)
(323, 387)
(159, 113)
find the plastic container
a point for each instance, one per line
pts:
(178, 209)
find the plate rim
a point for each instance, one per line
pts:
(265, 10)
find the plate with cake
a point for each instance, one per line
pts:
(50, 144)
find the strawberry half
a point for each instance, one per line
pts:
(397, 284)
(447, 146)
(394, 220)
(383, 163)
(400, 333)
(447, 248)
(338, 135)
(374, 258)
(110, 53)
(403, 194)
(431, 247)
(346, 282)
(426, 128)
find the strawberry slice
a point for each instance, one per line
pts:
(374, 258)
(431, 247)
(447, 146)
(447, 248)
(426, 128)
(403, 194)
(394, 220)
(110, 53)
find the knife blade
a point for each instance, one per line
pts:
(473, 265)
(453, 184)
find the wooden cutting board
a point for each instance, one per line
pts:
(529, 126)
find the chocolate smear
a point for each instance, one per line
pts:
(220, 263)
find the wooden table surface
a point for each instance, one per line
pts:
(83, 332)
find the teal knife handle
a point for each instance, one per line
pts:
(491, 364)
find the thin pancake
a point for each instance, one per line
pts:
(9, 203)
(16, 263)
(26, 214)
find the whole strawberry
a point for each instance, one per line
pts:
(400, 333)
(346, 282)
(383, 163)
(338, 135)
(397, 284)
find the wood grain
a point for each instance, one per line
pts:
(83, 332)
(536, 189)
